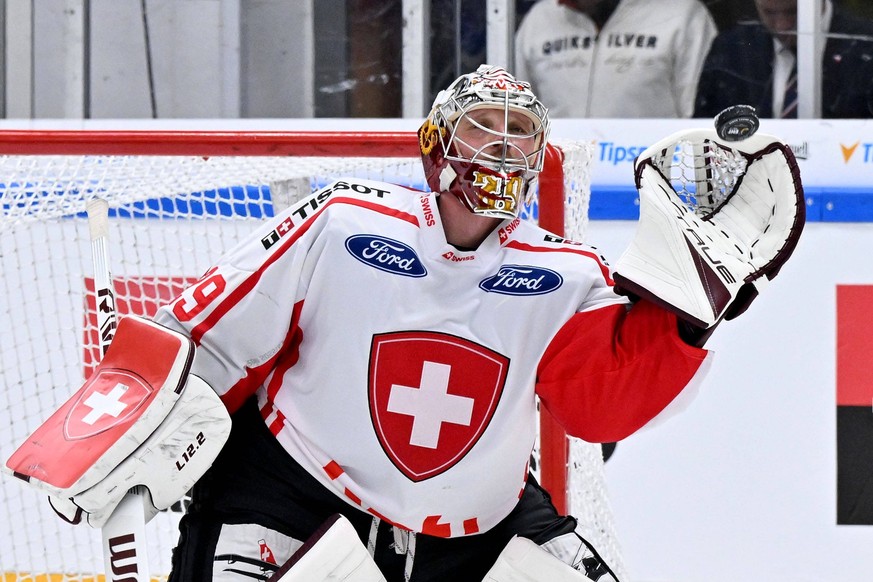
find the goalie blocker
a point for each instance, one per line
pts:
(139, 420)
(717, 221)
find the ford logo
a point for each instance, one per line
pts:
(385, 254)
(522, 280)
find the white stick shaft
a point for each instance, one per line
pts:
(125, 553)
(98, 223)
(125, 557)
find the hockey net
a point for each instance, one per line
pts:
(178, 200)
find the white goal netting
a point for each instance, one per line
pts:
(171, 216)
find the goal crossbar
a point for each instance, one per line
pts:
(208, 143)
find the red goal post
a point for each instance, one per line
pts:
(46, 176)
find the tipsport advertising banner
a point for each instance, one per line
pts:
(835, 159)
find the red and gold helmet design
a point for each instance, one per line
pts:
(494, 179)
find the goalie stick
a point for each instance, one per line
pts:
(125, 552)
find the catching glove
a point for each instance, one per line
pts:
(717, 221)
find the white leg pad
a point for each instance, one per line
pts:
(334, 552)
(524, 561)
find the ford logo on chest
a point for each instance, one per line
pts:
(522, 280)
(385, 254)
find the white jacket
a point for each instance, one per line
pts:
(644, 63)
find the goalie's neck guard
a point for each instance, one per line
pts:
(494, 174)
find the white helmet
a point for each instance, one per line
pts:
(488, 184)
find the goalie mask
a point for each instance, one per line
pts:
(484, 142)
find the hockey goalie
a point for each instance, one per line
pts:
(380, 352)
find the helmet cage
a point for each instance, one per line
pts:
(496, 178)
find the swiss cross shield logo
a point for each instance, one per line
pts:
(431, 397)
(109, 398)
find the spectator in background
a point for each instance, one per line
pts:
(755, 64)
(614, 58)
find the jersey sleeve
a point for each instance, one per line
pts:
(609, 371)
(242, 314)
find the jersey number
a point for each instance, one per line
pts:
(191, 305)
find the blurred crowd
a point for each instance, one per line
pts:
(653, 58)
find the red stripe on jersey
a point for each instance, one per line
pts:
(288, 356)
(471, 526)
(379, 515)
(375, 513)
(267, 410)
(333, 470)
(352, 496)
(246, 286)
(432, 527)
(277, 424)
(289, 352)
(524, 479)
(393, 212)
(514, 244)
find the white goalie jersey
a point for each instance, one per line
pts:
(423, 411)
